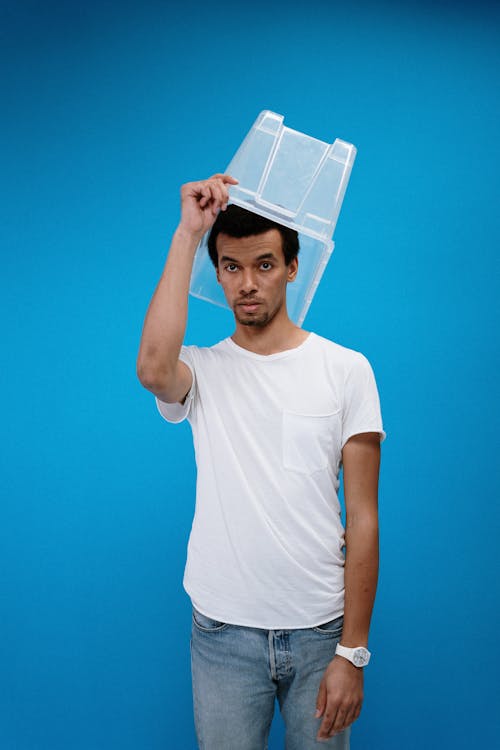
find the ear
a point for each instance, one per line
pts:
(293, 268)
(217, 274)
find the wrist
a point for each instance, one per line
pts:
(189, 236)
(354, 633)
(353, 641)
(359, 656)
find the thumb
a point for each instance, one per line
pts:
(321, 700)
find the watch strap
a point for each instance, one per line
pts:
(359, 656)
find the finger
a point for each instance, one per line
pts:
(212, 197)
(196, 190)
(350, 717)
(224, 193)
(328, 721)
(206, 195)
(339, 724)
(321, 700)
(219, 193)
(200, 191)
(354, 713)
(220, 197)
(226, 178)
(351, 714)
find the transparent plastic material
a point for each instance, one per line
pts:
(296, 181)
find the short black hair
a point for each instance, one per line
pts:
(239, 222)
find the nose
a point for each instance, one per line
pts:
(248, 283)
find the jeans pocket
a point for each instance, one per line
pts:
(333, 628)
(207, 624)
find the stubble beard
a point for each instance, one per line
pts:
(259, 321)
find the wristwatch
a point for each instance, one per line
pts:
(359, 656)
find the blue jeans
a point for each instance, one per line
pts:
(238, 672)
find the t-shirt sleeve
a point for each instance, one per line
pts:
(177, 412)
(361, 411)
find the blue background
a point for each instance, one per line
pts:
(106, 110)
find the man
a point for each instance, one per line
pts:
(275, 412)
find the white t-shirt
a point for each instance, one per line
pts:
(266, 545)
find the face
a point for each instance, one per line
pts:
(254, 276)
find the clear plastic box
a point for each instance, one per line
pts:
(296, 181)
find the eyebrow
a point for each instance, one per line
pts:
(264, 256)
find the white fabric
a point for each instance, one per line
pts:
(266, 545)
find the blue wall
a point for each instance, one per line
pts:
(106, 109)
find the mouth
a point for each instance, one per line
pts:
(249, 307)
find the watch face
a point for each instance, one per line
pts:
(360, 657)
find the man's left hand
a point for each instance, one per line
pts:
(340, 697)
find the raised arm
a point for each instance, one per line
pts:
(158, 366)
(340, 695)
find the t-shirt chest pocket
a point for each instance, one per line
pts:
(310, 441)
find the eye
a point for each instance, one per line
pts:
(265, 265)
(231, 267)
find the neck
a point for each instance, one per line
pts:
(278, 335)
